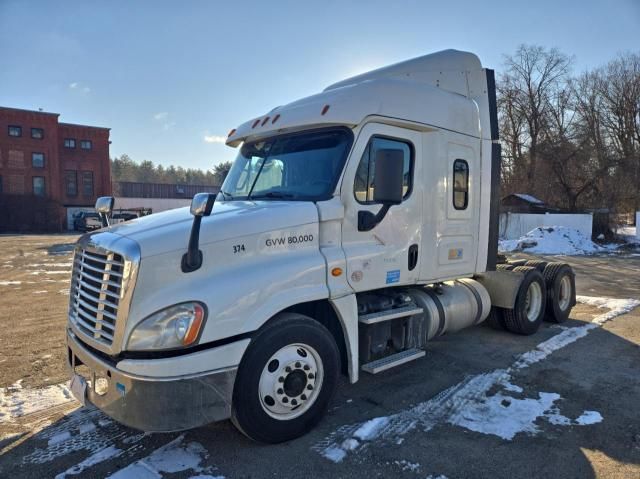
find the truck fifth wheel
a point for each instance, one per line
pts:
(355, 226)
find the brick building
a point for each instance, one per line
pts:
(60, 166)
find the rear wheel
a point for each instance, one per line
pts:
(537, 264)
(495, 318)
(561, 291)
(504, 267)
(528, 311)
(285, 380)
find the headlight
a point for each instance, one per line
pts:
(174, 327)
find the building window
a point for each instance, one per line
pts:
(71, 180)
(37, 133)
(15, 130)
(69, 143)
(38, 186)
(87, 183)
(365, 181)
(85, 144)
(37, 160)
(460, 184)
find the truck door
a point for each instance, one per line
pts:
(389, 254)
(455, 210)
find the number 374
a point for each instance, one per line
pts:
(238, 248)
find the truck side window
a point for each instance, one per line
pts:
(365, 182)
(460, 184)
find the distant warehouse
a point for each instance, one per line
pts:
(155, 197)
(48, 169)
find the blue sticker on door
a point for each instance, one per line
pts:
(393, 276)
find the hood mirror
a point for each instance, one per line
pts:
(104, 207)
(201, 205)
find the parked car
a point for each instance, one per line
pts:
(122, 217)
(86, 221)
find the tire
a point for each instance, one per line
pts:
(561, 291)
(298, 353)
(528, 312)
(504, 267)
(496, 319)
(537, 264)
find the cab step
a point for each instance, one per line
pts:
(388, 362)
(380, 316)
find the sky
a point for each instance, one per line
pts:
(171, 78)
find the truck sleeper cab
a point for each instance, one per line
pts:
(354, 227)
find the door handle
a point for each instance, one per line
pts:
(413, 256)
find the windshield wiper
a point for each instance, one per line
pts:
(273, 194)
(225, 195)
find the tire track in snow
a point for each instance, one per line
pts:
(468, 405)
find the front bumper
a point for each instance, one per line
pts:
(154, 404)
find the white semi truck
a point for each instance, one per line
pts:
(355, 226)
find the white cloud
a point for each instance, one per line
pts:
(86, 89)
(161, 115)
(168, 125)
(214, 139)
(73, 85)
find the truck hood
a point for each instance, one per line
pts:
(169, 231)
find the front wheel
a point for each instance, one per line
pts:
(285, 380)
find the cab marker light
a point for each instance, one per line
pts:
(324, 109)
(265, 121)
(255, 123)
(231, 133)
(336, 272)
(275, 118)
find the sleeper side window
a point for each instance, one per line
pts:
(365, 182)
(460, 184)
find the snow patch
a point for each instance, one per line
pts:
(552, 240)
(407, 466)
(10, 283)
(171, 458)
(371, 428)
(615, 306)
(589, 417)
(86, 429)
(16, 401)
(470, 405)
(95, 458)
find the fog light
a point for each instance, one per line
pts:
(101, 386)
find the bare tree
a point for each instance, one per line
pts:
(533, 75)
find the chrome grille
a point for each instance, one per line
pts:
(96, 291)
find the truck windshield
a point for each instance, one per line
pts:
(299, 166)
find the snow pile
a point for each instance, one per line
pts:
(486, 403)
(552, 240)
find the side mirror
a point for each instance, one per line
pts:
(201, 205)
(389, 173)
(104, 207)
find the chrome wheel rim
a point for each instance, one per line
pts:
(533, 302)
(290, 381)
(565, 293)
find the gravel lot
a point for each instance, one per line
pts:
(567, 396)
